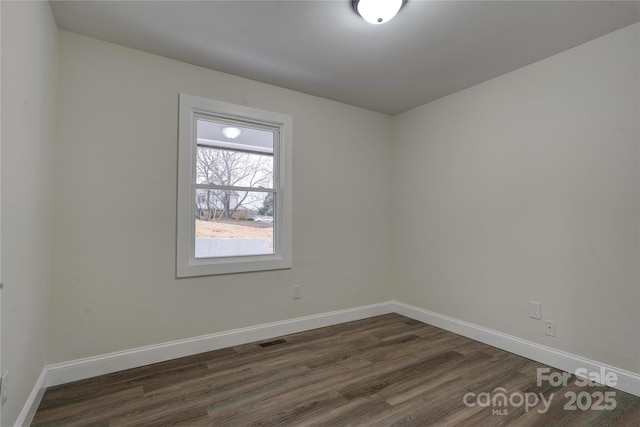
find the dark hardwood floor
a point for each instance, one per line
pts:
(382, 371)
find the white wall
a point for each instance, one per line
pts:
(113, 285)
(29, 88)
(526, 187)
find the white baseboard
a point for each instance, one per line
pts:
(627, 381)
(61, 373)
(33, 401)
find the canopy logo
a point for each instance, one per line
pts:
(499, 400)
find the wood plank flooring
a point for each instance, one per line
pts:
(383, 371)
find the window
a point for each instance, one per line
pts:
(234, 188)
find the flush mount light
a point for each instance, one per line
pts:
(231, 133)
(377, 11)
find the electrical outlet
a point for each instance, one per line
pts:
(4, 387)
(550, 328)
(534, 310)
(297, 291)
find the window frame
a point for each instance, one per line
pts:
(190, 109)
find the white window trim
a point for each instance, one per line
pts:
(187, 264)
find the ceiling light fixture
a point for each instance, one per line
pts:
(231, 133)
(377, 11)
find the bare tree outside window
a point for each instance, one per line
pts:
(231, 169)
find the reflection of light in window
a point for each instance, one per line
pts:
(231, 132)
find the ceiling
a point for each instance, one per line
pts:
(431, 49)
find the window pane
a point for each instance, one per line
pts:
(233, 168)
(233, 223)
(233, 155)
